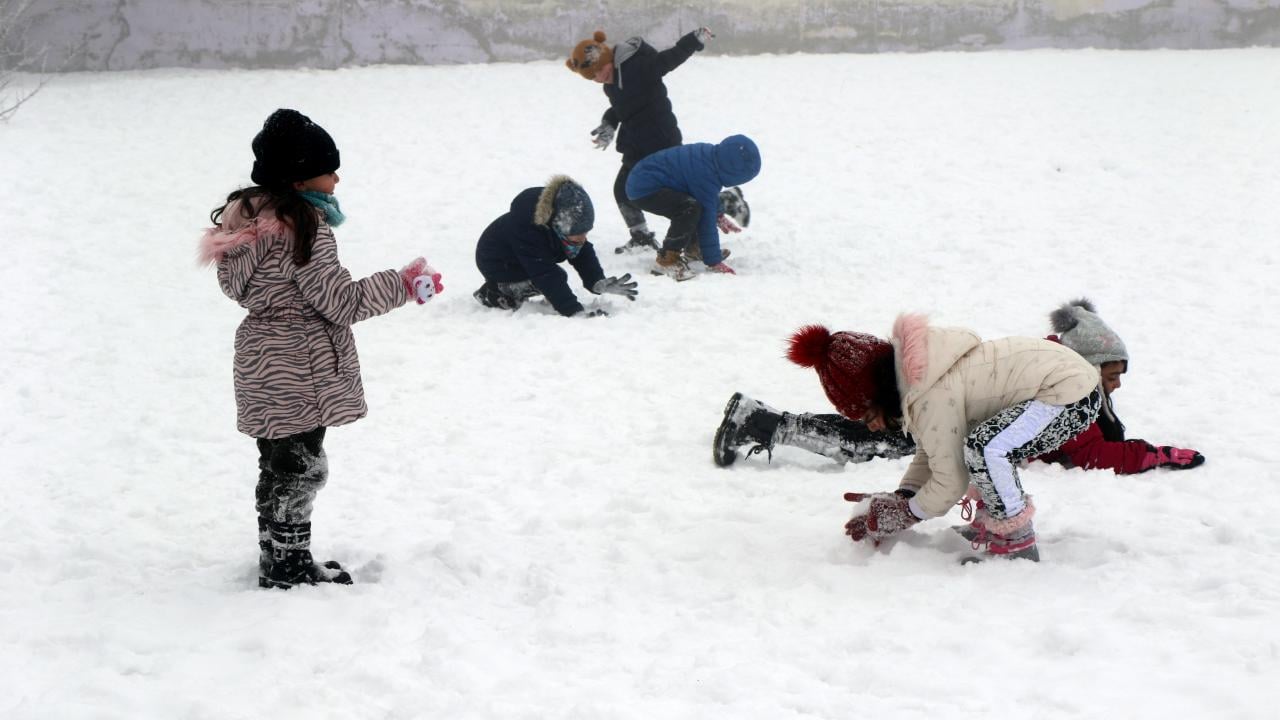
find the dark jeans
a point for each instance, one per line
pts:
(682, 210)
(631, 214)
(291, 471)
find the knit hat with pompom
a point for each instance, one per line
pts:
(1079, 328)
(852, 367)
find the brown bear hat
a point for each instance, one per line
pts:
(589, 55)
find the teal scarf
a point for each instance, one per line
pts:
(327, 204)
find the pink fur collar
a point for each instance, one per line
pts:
(912, 332)
(218, 241)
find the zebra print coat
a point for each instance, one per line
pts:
(295, 361)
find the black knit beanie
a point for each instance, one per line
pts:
(291, 148)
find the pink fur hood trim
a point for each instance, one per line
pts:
(235, 232)
(912, 332)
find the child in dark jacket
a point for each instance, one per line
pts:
(296, 370)
(519, 254)
(1103, 445)
(639, 111)
(683, 184)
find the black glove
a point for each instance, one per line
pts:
(603, 135)
(595, 313)
(624, 286)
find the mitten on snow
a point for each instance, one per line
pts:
(420, 280)
(888, 513)
(721, 267)
(703, 34)
(726, 224)
(595, 313)
(1170, 457)
(623, 286)
(603, 135)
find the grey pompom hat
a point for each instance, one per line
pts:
(1079, 328)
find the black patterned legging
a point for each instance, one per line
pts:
(993, 449)
(291, 471)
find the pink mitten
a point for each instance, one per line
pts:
(1172, 458)
(421, 281)
(889, 513)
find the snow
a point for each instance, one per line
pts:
(530, 510)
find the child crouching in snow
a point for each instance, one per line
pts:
(974, 408)
(296, 371)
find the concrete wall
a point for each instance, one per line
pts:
(129, 34)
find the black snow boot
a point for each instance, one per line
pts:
(745, 421)
(291, 561)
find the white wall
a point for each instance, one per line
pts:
(128, 34)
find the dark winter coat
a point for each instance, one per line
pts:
(516, 247)
(638, 102)
(700, 170)
(295, 361)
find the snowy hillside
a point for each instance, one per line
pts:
(530, 509)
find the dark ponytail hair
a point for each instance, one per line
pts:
(886, 381)
(290, 208)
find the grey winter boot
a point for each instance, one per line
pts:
(641, 239)
(1008, 539)
(745, 421)
(291, 561)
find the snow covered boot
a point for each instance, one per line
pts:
(1008, 539)
(745, 421)
(291, 561)
(734, 205)
(641, 239)
(671, 264)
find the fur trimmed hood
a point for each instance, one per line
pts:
(235, 232)
(924, 354)
(564, 206)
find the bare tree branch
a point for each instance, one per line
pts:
(17, 54)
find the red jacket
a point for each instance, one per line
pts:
(1089, 450)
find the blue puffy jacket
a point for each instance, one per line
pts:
(700, 170)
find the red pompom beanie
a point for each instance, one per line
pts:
(845, 362)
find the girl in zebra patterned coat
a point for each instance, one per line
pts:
(296, 370)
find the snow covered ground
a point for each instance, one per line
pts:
(530, 509)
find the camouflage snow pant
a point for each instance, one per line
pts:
(993, 449)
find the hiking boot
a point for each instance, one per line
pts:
(640, 240)
(693, 253)
(670, 263)
(745, 421)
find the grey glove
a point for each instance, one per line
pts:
(703, 34)
(603, 135)
(624, 286)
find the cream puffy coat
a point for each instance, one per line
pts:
(951, 381)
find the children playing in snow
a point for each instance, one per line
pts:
(1103, 445)
(519, 253)
(296, 371)
(684, 185)
(975, 410)
(639, 111)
